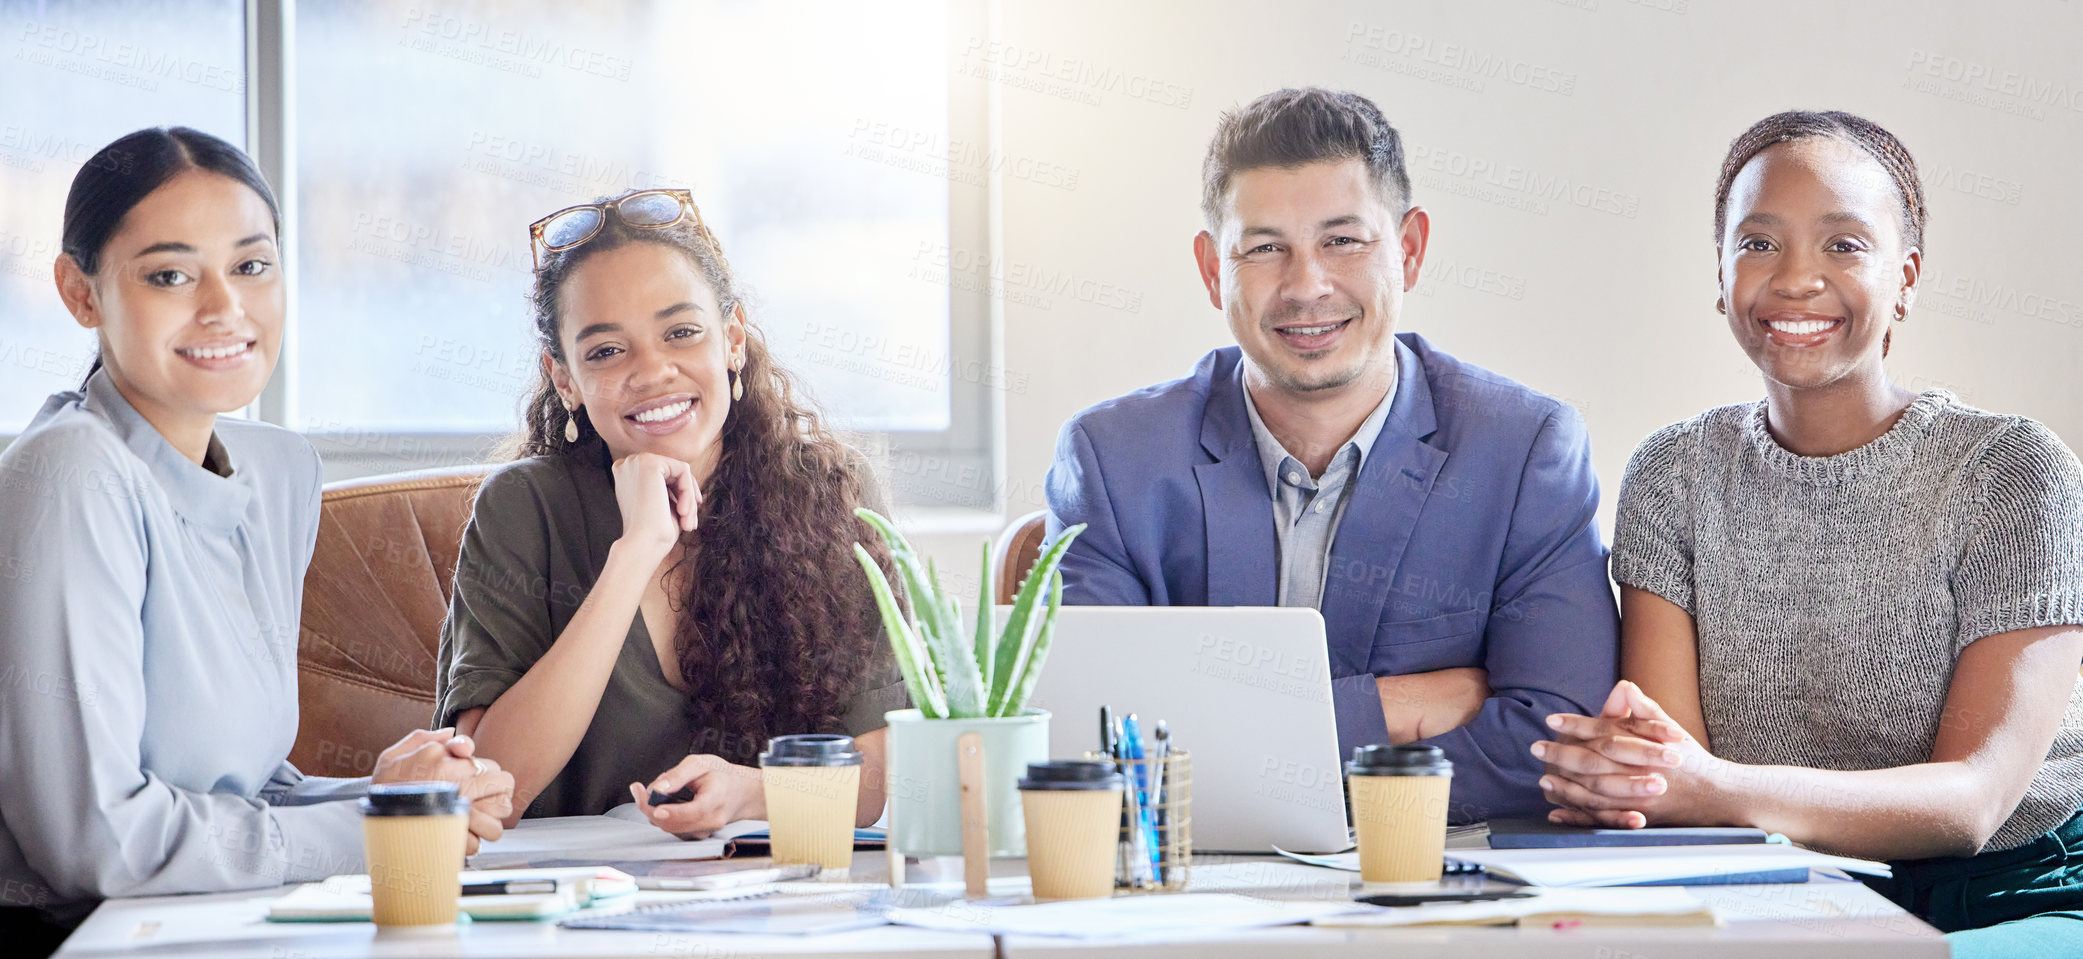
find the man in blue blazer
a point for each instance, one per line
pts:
(1441, 517)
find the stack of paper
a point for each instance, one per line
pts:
(595, 839)
(1126, 916)
(1660, 865)
(768, 915)
(1637, 865)
(1553, 907)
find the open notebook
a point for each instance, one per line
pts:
(347, 899)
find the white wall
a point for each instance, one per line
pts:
(1602, 295)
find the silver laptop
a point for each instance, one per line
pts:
(1245, 690)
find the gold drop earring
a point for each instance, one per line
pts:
(737, 381)
(571, 424)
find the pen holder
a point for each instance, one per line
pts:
(1172, 808)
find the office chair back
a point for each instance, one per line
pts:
(1019, 548)
(374, 601)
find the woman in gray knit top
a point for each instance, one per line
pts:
(1849, 611)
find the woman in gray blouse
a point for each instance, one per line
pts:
(152, 562)
(664, 580)
(1848, 611)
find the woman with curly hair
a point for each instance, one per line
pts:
(664, 578)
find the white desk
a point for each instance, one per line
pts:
(1768, 922)
(1835, 919)
(235, 926)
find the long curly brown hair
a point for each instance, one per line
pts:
(778, 626)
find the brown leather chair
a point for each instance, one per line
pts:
(1019, 548)
(374, 600)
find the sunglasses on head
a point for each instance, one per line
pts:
(641, 209)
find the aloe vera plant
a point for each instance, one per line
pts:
(984, 674)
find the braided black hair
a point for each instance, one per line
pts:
(1865, 134)
(1856, 130)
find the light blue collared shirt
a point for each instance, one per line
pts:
(1307, 509)
(149, 613)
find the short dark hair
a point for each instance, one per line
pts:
(1850, 128)
(1295, 127)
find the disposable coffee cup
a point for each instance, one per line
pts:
(414, 835)
(1073, 813)
(813, 786)
(1399, 802)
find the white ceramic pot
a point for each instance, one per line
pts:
(925, 782)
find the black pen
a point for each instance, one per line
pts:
(510, 887)
(1106, 731)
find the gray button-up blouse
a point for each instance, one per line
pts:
(148, 656)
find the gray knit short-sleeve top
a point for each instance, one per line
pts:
(1832, 595)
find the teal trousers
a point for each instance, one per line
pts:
(2021, 903)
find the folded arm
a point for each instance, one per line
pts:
(1551, 640)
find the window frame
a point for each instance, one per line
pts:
(947, 477)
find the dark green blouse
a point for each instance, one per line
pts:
(537, 540)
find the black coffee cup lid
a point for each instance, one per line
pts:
(811, 749)
(414, 799)
(1071, 774)
(1386, 760)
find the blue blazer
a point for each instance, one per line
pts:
(1469, 540)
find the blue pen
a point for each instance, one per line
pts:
(1132, 748)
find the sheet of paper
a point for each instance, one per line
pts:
(772, 915)
(1624, 865)
(590, 838)
(1348, 861)
(1656, 905)
(1273, 877)
(628, 812)
(346, 898)
(1126, 916)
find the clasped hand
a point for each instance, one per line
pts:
(441, 755)
(1628, 767)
